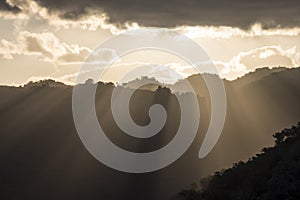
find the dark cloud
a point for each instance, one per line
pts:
(170, 13)
(4, 6)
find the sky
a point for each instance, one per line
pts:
(50, 39)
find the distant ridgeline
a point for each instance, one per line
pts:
(272, 174)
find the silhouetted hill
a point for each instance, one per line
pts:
(151, 87)
(45, 83)
(42, 156)
(272, 174)
(258, 74)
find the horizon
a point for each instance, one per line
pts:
(150, 77)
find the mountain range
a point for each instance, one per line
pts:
(42, 156)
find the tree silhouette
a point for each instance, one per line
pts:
(272, 174)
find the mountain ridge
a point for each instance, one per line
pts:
(259, 72)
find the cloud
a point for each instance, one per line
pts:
(8, 49)
(271, 56)
(172, 13)
(45, 45)
(227, 32)
(6, 6)
(103, 56)
(90, 20)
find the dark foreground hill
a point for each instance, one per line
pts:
(272, 174)
(42, 157)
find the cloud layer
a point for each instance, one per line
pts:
(171, 13)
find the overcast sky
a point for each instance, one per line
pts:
(51, 38)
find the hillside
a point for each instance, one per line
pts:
(272, 174)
